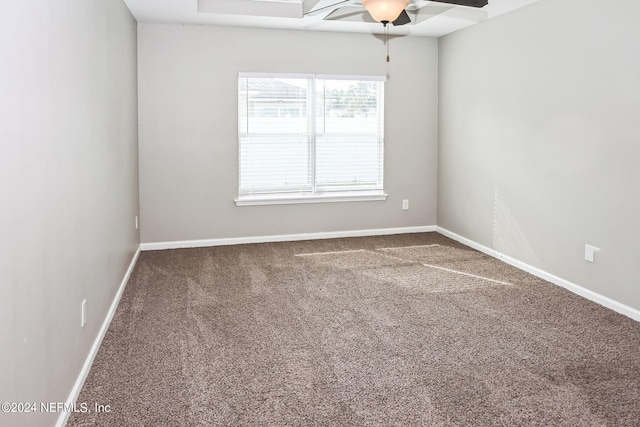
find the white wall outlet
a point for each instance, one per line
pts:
(590, 253)
(405, 205)
(136, 222)
(83, 309)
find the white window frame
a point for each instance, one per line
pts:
(313, 196)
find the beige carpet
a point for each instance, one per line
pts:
(392, 330)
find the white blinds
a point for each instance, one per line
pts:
(306, 134)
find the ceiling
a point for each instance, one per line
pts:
(429, 18)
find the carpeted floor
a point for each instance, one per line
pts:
(392, 330)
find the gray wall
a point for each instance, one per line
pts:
(68, 187)
(540, 140)
(188, 129)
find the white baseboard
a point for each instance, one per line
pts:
(576, 289)
(284, 238)
(75, 391)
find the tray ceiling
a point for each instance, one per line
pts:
(428, 19)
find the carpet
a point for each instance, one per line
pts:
(403, 330)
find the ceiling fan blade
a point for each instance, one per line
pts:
(350, 14)
(326, 8)
(402, 19)
(470, 3)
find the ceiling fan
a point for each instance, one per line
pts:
(386, 12)
(332, 11)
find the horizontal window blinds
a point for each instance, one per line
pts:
(300, 134)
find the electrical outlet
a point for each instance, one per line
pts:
(590, 253)
(136, 222)
(405, 205)
(83, 309)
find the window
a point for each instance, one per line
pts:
(310, 138)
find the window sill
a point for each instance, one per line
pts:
(292, 199)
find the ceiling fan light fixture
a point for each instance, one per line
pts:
(385, 11)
